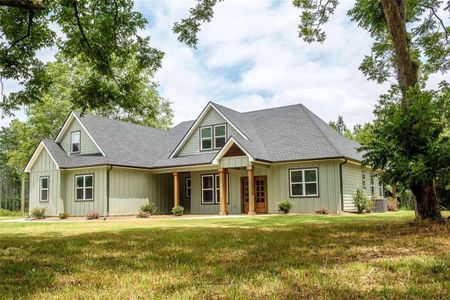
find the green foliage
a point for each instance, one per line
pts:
(63, 215)
(178, 210)
(149, 207)
(7, 213)
(405, 199)
(362, 202)
(285, 206)
(102, 36)
(92, 215)
(38, 213)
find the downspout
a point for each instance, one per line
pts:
(342, 183)
(107, 191)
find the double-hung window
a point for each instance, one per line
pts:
(206, 138)
(188, 187)
(372, 185)
(304, 182)
(213, 137)
(84, 187)
(43, 189)
(211, 189)
(363, 177)
(75, 142)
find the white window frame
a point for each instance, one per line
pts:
(206, 138)
(84, 187)
(303, 183)
(219, 136)
(188, 187)
(44, 189)
(208, 189)
(363, 179)
(372, 184)
(381, 189)
(72, 142)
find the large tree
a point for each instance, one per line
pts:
(102, 35)
(411, 41)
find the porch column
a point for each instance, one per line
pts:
(223, 192)
(251, 192)
(176, 192)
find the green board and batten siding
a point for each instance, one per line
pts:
(87, 145)
(44, 166)
(352, 180)
(192, 145)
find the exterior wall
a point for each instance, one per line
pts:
(329, 188)
(233, 162)
(161, 191)
(129, 190)
(44, 166)
(352, 180)
(81, 208)
(87, 145)
(192, 145)
(184, 200)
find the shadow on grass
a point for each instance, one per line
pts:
(306, 260)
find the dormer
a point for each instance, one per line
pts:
(75, 139)
(209, 133)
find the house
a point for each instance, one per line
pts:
(222, 162)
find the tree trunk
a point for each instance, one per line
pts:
(427, 203)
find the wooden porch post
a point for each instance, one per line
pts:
(176, 192)
(251, 191)
(223, 192)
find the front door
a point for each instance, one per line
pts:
(260, 189)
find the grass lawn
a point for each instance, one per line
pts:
(370, 256)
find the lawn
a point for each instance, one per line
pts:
(370, 256)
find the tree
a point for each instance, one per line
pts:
(411, 41)
(339, 125)
(101, 35)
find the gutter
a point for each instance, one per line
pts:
(341, 182)
(107, 192)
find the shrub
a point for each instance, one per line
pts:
(92, 215)
(178, 210)
(285, 206)
(64, 215)
(143, 214)
(150, 208)
(322, 211)
(361, 201)
(7, 213)
(38, 213)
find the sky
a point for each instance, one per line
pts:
(250, 57)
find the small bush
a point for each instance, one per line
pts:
(92, 215)
(322, 211)
(361, 201)
(178, 210)
(8, 213)
(38, 213)
(150, 208)
(64, 215)
(285, 206)
(143, 214)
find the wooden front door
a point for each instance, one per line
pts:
(260, 188)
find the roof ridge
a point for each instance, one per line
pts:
(273, 108)
(307, 111)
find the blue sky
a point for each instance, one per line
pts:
(250, 57)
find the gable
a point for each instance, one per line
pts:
(87, 145)
(192, 145)
(41, 160)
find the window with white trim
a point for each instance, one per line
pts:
(84, 187)
(220, 135)
(206, 138)
(363, 177)
(208, 189)
(75, 142)
(43, 188)
(303, 182)
(188, 187)
(372, 185)
(381, 189)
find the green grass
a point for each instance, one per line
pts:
(7, 214)
(360, 256)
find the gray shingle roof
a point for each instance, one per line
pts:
(278, 134)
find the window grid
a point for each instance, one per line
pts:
(223, 136)
(188, 187)
(84, 188)
(43, 188)
(216, 141)
(208, 189)
(75, 142)
(210, 138)
(363, 176)
(303, 182)
(215, 189)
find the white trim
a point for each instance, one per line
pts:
(84, 187)
(72, 142)
(206, 138)
(220, 136)
(197, 123)
(36, 155)
(188, 187)
(66, 126)
(47, 177)
(303, 182)
(208, 189)
(226, 147)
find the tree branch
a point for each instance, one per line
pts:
(34, 4)
(30, 24)
(433, 11)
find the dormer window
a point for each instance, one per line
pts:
(213, 137)
(75, 142)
